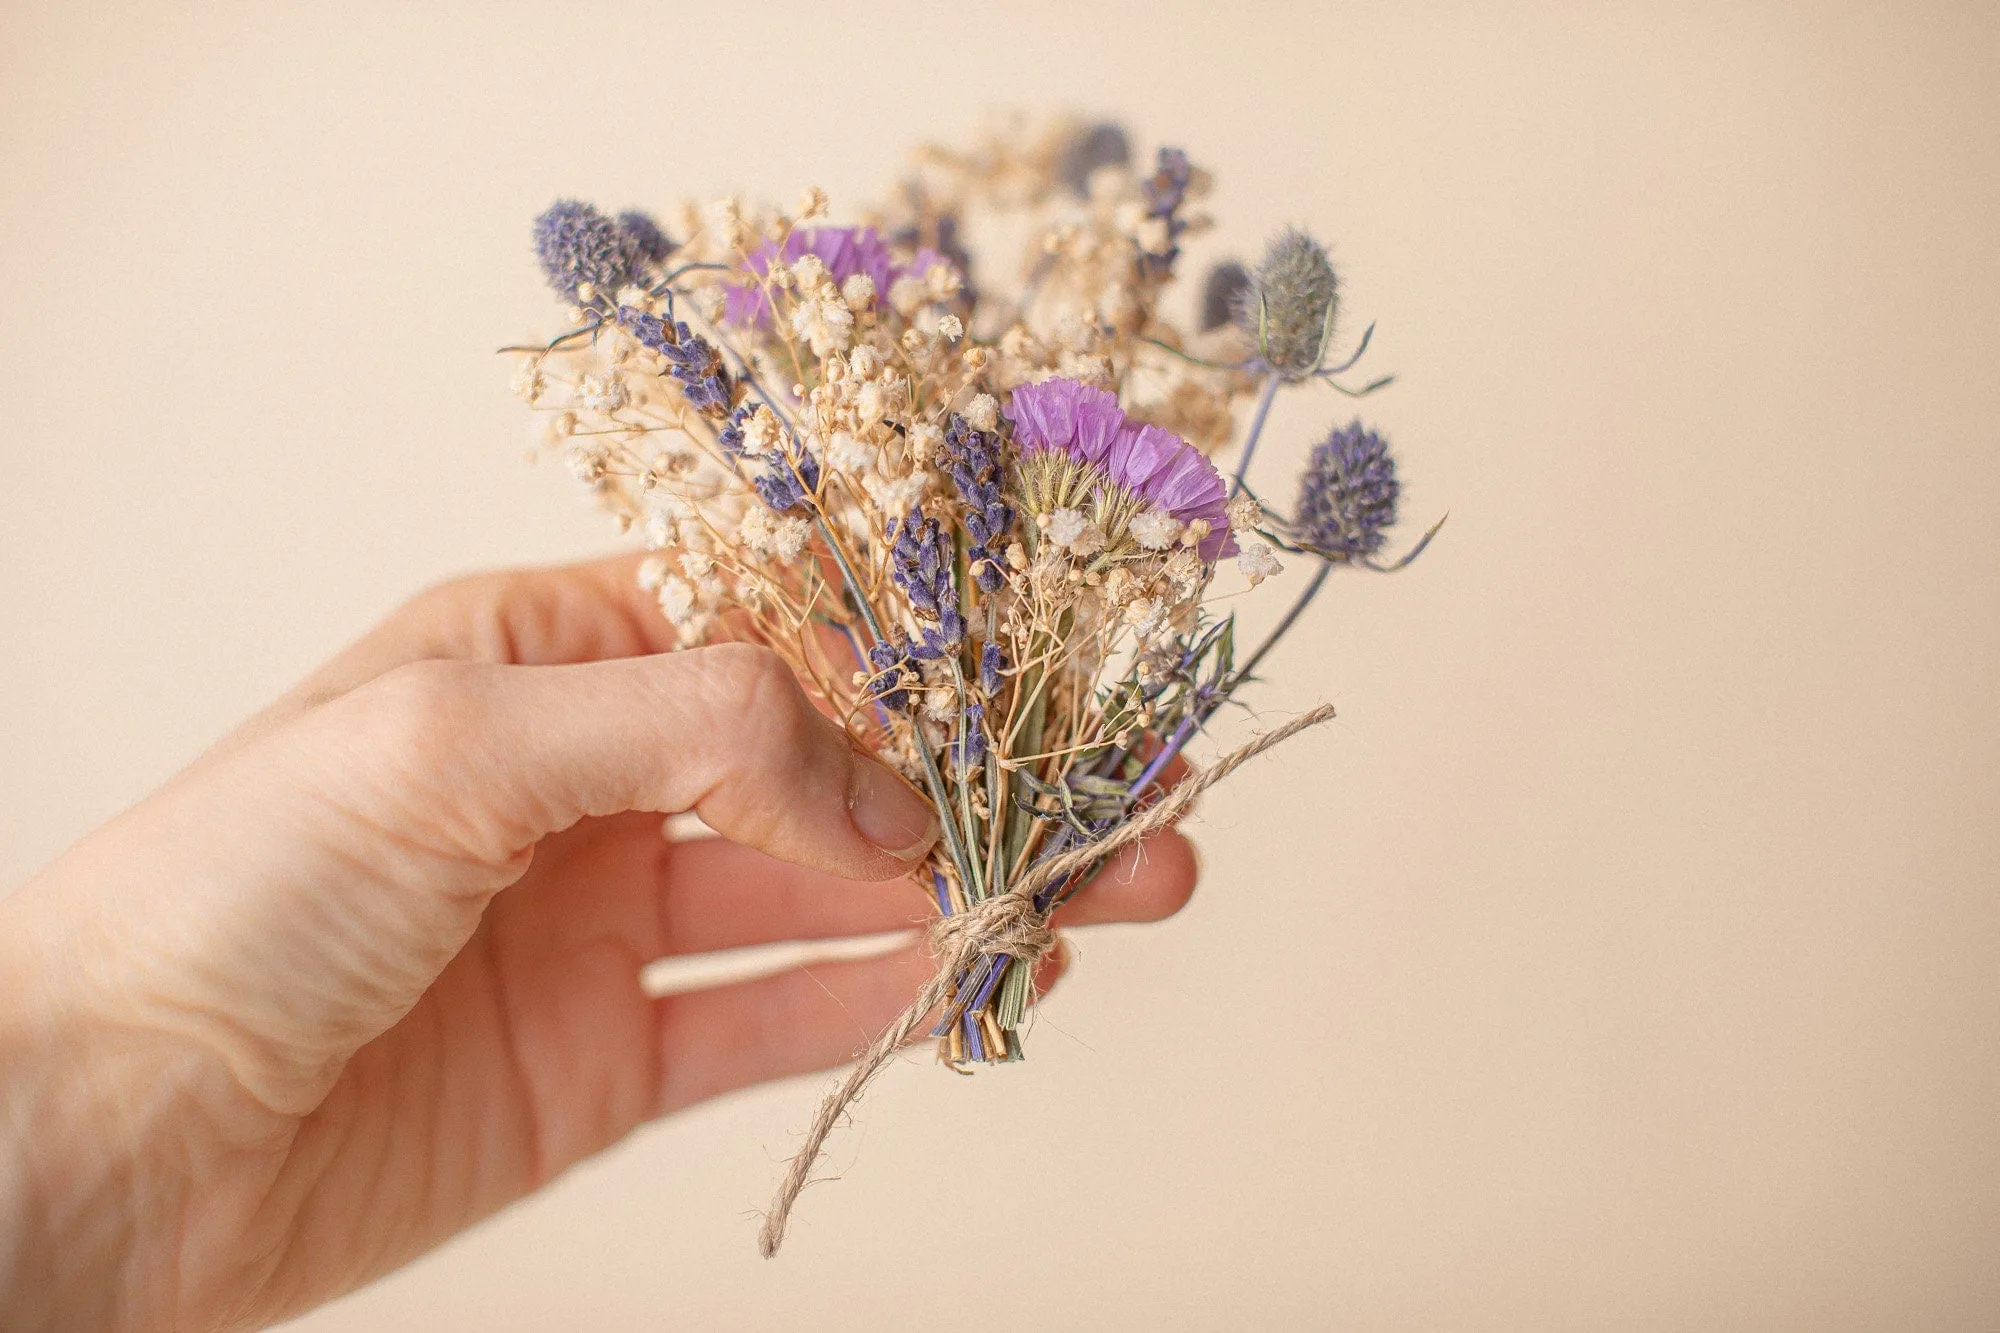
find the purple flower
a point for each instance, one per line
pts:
(1166, 190)
(973, 458)
(969, 750)
(948, 248)
(1153, 464)
(1222, 294)
(921, 564)
(1347, 497)
(781, 486)
(1101, 145)
(1063, 414)
(577, 244)
(645, 234)
(730, 437)
(691, 360)
(890, 661)
(845, 251)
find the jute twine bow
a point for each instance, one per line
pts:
(1006, 924)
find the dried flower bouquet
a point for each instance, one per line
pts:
(969, 499)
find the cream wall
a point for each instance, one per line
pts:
(1624, 957)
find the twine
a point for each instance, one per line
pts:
(1006, 924)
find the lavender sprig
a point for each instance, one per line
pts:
(692, 360)
(1165, 191)
(921, 566)
(973, 458)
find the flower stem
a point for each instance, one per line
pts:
(1271, 639)
(1271, 382)
(1198, 715)
(933, 778)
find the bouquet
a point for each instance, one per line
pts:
(952, 462)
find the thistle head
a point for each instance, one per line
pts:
(647, 240)
(1347, 497)
(579, 246)
(1289, 306)
(1222, 294)
(1104, 144)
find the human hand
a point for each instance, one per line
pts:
(369, 970)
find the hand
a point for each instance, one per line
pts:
(369, 970)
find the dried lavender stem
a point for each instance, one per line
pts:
(940, 796)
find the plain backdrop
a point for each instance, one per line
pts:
(1624, 957)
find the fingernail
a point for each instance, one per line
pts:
(887, 813)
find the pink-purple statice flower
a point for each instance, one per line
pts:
(1155, 465)
(845, 251)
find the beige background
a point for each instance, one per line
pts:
(1626, 955)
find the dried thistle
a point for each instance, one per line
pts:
(1289, 307)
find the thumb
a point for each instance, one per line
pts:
(283, 902)
(486, 760)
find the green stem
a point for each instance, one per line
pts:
(933, 778)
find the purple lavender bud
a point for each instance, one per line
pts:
(969, 750)
(646, 238)
(990, 663)
(691, 360)
(921, 565)
(1165, 191)
(576, 244)
(1347, 496)
(783, 487)
(889, 661)
(648, 331)
(708, 395)
(972, 457)
(730, 437)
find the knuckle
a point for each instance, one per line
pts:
(473, 609)
(778, 741)
(754, 689)
(423, 705)
(442, 597)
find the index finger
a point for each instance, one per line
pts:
(588, 612)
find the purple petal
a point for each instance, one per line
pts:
(1063, 414)
(1142, 454)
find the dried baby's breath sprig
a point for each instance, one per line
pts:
(977, 521)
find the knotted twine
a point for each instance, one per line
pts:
(1008, 924)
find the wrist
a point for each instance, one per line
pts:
(131, 1162)
(86, 1213)
(58, 1166)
